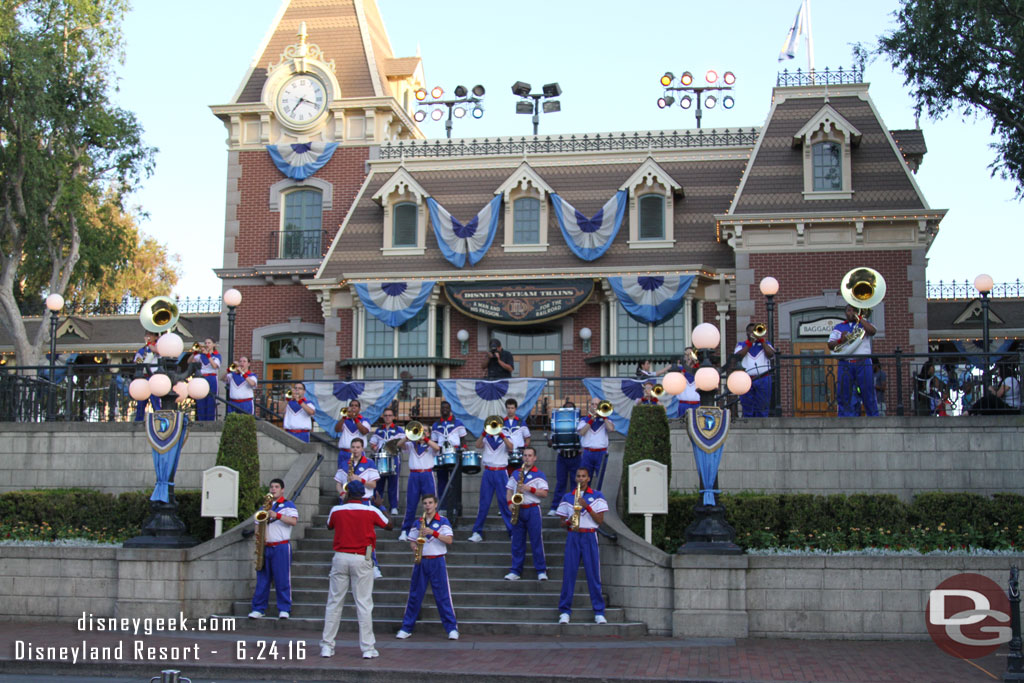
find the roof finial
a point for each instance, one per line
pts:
(302, 39)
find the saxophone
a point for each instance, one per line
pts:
(517, 499)
(260, 537)
(577, 507)
(421, 540)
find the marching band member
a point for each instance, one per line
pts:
(364, 472)
(277, 556)
(593, 430)
(565, 469)
(147, 356)
(348, 428)
(298, 413)
(355, 537)
(856, 367)
(240, 388)
(387, 432)
(755, 355)
(449, 429)
(581, 546)
(689, 399)
(421, 478)
(431, 568)
(516, 429)
(648, 399)
(209, 364)
(495, 477)
(531, 483)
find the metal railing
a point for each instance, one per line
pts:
(297, 244)
(825, 76)
(966, 290)
(957, 384)
(131, 306)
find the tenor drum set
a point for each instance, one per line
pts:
(563, 436)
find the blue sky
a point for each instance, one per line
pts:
(607, 56)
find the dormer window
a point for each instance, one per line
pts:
(827, 139)
(405, 215)
(526, 210)
(404, 225)
(652, 194)
(652, 217)
(526, 221)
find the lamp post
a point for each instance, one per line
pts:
(769, 288)
(54, 303)
(232, 298)
(715, 83)
(462, 96)
(983, 283)
(585, 335)
(463, 337)
(550, 106)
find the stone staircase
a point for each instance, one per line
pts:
(484, 602)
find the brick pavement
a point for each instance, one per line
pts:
(425, 657)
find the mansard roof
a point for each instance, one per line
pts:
(774, 180)
(350, 32)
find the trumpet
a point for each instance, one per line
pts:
(233, 367)
(288, 395)
(414, 431)
(196, 348)
(421, 540)
(658, 391)
(344, 413)
(604, 408)
(577, 507)
(759, 332)
(260, 537)
(493, 425)
(690, 358)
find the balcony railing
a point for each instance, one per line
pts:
(297, 244)
(131, 306)
(825, 76)
(966, 290)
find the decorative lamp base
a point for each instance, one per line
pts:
(162, 529)
(710, 534)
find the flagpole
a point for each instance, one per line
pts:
(810, 39)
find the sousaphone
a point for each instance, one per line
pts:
(863, 288)
(159, 314)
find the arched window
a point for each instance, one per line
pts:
(294, 356)
(827, 161)
(404, 234)
(652, 217)
(301, 234)
(526, 211)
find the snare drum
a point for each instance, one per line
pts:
(515, 458)
(385, 465)
(470, 462)
(563, 428)
(445, 460)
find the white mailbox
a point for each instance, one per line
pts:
(648, 492)
(220, 495)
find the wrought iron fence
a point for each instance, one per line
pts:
(966, 290)
(609, 142)
(825, 76)
(297, 244)
(131, 306)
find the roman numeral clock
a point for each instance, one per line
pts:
(299, 90)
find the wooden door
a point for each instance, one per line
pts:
(814, 380)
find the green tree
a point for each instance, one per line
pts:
(966, 55)
(63, 147)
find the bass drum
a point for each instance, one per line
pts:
(515, 458)
(470, 462)
(385, 465)
(563, 429)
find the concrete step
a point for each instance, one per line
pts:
(496, 586)
(463, 599)
(397, 554)
(314, 569)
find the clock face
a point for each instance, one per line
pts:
(302, 99)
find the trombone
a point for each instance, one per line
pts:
(493, 425)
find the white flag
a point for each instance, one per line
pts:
(793, 37)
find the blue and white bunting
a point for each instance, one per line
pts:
(623, 393)
(651, 298)
(303, 159)
(589, 238)
(473, 400)
(458, 241)
(329, 397)
(393, 303)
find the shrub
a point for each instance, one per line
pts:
(238, 450)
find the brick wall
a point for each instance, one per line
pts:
(268, 305)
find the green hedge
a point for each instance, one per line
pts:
(647, 439)
(50, 514)
(238, 450)
(934, 520)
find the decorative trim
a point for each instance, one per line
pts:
(293, 327)
(650, 178)
(285, 184)
(524, 182)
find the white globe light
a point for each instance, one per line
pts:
(54, 302)
(674, 383)
(181, 389)
(232, 297)
(139, 389)
(707, 379)
(983, 283)
(160, 384)
(462, 336)
(769, 286)
(170, 345)
(705, 336)
(198, 388)
(738, 382)
(585, 333)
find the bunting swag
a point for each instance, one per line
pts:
(457, 241)
(623, 394)
(393, 303)
(473, 400)
(329, 397)
(651, 298)
(301, 160)
(589, 238)
(167, 432)
(975, 347)
(707, 426)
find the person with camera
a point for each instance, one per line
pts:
(498, 363)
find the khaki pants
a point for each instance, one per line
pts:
(356, 571)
